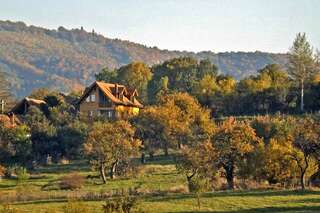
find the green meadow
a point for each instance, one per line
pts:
(161, 187)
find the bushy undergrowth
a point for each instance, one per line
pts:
(72, 181)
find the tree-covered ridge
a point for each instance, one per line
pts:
(63, 59)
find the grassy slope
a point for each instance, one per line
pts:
(162, 176)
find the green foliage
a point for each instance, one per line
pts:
(135, 75)
(5, 95)
(123, 204)
(22, 175)
(107, 75)
(302, 64)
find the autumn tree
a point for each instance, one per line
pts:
(109, 144)
(304, 145)
(233, 141)
(277, 166)
(301, 63)
(177, 120)
(197, 161)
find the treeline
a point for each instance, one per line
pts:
(274, 89)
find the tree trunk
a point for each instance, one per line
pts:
(103, 173)
(113, 170)
(166, 152)
(189, 179)
(302, 96)
(302, 180)
(151, 155)
(229, 169)
(143, 158)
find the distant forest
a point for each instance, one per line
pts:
(64, 60)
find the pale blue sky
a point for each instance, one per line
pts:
(216, 25)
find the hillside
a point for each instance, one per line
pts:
(63, 59)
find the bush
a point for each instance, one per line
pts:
(122, 204)
(179, 189)
(72, 181)
(22, 174)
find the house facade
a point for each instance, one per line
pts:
(112, 101)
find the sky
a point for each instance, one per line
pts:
(192, 25)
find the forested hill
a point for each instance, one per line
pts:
(62, 59)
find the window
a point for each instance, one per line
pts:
(93, 98)
(90, 113)
(88, 99)
(109, 114)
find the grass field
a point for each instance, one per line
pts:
(159, 176)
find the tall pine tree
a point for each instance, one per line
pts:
(301, 63)
(5, 97)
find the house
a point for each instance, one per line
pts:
(111, 101)
(22, 107)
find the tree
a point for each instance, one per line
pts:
(301, 63)
(233, 141)
(304, 145)
(109, 144)
(39, 93)
(276, 133)
(5, 96)
(43, 136)
(107, 75)
(71, 138)
(196, 161)
(135, 76)
(205, 67)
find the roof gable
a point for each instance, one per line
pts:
(117, 93)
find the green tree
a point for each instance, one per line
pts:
(107, 75)
(5, 96)
(135, 76)
(109, 144)
(43, 136)
(71, 138)
(302, 63)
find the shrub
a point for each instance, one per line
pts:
(122, 204)
(22, 174)
(179, 189)
(72, 181)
